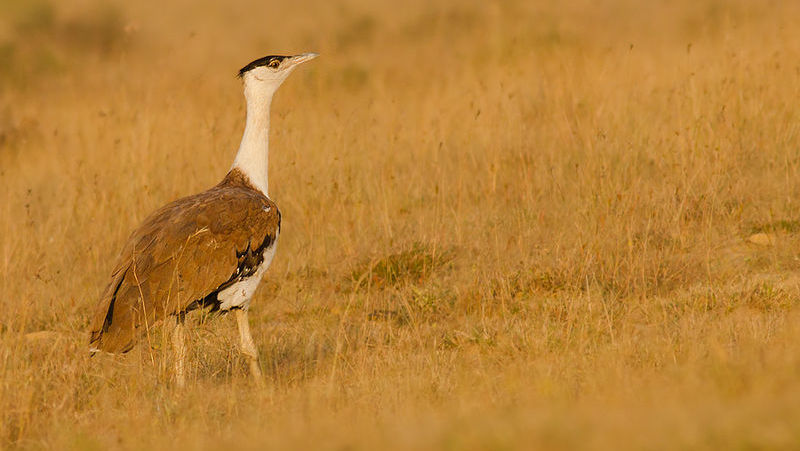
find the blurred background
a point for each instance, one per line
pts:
(506, 224)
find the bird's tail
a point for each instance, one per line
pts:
(112, 328)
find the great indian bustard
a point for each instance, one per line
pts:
(206, 250)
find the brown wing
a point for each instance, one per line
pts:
(183, 253)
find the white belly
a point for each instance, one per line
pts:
(239, 294)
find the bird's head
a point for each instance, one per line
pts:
(264, 75)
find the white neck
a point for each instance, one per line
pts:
(253, 155)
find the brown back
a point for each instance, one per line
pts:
(181, 254)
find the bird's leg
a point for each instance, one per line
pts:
(248, 347)
(179, 345)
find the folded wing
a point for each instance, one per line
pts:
(182, 254)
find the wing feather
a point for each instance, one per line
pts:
(181, 254)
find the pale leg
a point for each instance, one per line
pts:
(248, 347)
(180, 350)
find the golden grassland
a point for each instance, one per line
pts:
(506, 225)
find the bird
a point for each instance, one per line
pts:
(205, 251)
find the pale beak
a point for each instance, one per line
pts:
(298, 59)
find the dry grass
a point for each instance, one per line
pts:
(506, 224)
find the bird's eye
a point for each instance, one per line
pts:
(274, 64)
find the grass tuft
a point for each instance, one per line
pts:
(411, 266)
